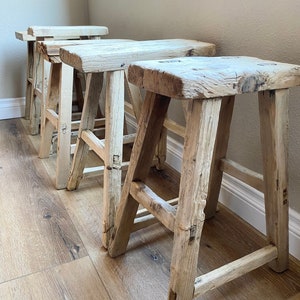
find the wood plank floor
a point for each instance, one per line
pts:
(50, 246)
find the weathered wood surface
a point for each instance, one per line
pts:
(220, 150)
(273, 112)
(113, 151)
(235, 269)
(210, 77)
(94, 87)
(67, 31)
(24, 36)
(157, 206)
(153, 114)
(90, 58)
(196, 169)
(51, 48)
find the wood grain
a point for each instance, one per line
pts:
(211, 77)
(89, 58)
(38, 232)
(143, 272)
(51, 48)
(67, 31)
(273, 112)
(73, 280)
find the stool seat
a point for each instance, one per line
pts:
(211, 77)
(209, 86)
(67, 32)
(50, 49)
(114, 61)
(90, 58)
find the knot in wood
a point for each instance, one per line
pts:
(193, 230)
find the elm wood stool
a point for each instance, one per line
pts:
(94, 60)
(56, 113)
(38, 70)
(210, 85)
(30, 40)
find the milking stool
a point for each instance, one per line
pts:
(209, 84)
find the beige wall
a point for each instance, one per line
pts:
(267, 29)
(16, 15)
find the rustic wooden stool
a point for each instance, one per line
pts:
(210, 84)
(30, 40)
(56, 111)
(38, 71)
(94, 60)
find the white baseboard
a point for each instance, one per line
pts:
(12, 108)
(240, 198)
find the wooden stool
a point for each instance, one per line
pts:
(210, 84)
(30, 40)
(114, 60)
(56, 111)
(38, 71)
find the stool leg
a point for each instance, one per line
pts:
(47, 127)
(273, 109)
(150, 124)
(202, 125)
(90, 106)
(38, 91)
(135, 97)
(161, 149)
(63, 157)
(29, 86)
(219, 153)
(114, 122)
(35, 109)
(78, 90)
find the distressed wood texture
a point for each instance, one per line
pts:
(210, 84)
(39, 81)
(51, 48)
(273, 110)
(220, 150)
(94, 86)
(88, 58)
(115, 59)
(202, 126)
(207, 77)
(34, 59)
(56, 113)
(113, 150)
(153, 114)
(30, 40)
(67, 31)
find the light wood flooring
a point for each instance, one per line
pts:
(50, 242)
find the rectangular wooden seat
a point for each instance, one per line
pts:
(90, 58)
(114, 60)
(191, 78)
(67, 32)
(209, 85)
